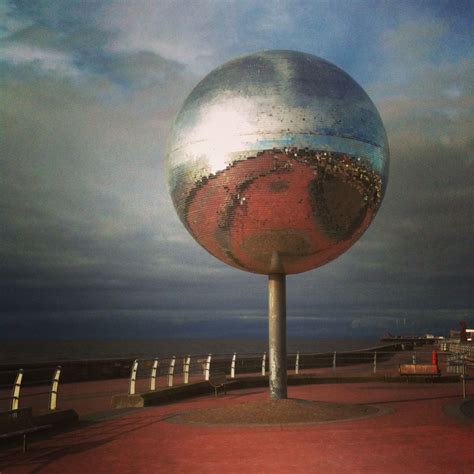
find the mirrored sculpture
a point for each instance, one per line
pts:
(277, 163)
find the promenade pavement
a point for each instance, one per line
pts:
(421, 431)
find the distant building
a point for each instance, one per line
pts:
(454, 335)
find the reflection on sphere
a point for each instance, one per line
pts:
(278, 162)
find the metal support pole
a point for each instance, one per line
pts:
(463, 377)
(133, 377)
(187, 363)
(171, 371)
(264, 364)
(153, 375)
(53, 397)
(232, 366)
(334, 359)
(375, 362)
(297, 363)
(277, 335)
(207, 370)
(16, 391)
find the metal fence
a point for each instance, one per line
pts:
(39, 387)
(33, 378)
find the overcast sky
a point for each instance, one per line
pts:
(90, 244)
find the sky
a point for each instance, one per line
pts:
(90, 244)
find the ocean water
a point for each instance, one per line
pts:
(60, 350)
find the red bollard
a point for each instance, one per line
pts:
(434, 358)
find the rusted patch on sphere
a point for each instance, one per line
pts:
(280, 176)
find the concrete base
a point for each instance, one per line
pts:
(172, 394)
(161, 396)
(57, 418)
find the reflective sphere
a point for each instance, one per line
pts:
(277, 162)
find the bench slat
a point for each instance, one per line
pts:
(33, 429)
(20, 422)
(218, 379)
(419, 369)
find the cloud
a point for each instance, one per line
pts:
(88, 97)
(38, 46)
(414, 41)
(84, 203)
(179, 34)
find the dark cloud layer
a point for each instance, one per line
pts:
(89, 241)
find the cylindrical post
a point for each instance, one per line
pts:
(16, 391)
(187, 362)
(133, 377)
(232, 366)
(264, 364)
(277, 335)
(463, 377)
(207, 370)
(375, 362)
(53, 397)
(334, 361)
(153, 375)
(297, 363)
(171, 371)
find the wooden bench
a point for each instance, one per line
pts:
(420, 370)
(217, 380)
(19, 423)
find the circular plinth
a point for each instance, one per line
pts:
(277, 412)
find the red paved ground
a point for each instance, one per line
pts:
(418, 437)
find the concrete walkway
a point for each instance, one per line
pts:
(423, 432)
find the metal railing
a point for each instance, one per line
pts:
(375, 362)
(21, 381)
(152, 374)
(190, 367)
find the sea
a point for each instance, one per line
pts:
(28, 351)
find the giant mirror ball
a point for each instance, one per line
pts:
(277, 162)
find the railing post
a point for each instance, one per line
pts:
(232, 366)
(375, 362)
(154, 368)
(171, 371)
(207, 370)
(186, 364)
(53, 398)
(133, 377)
(16, 391)
(297, 363)
(264, 359)
(463, 377)
(334, 357)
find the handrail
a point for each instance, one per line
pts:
(19, 383)
(251, 362)
(16, 391)
(133, 377)
(171, 371)
(154, 369)
(186, 364)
